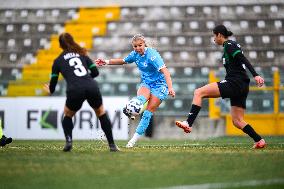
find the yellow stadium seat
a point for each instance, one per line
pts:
(90, 22)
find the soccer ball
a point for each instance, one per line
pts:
(134, 107)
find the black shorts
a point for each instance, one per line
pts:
(90, 92)
(235, 89)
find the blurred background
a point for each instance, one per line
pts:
(181, 30)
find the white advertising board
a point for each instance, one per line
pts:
(40, 118)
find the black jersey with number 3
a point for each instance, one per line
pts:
(234, 69)
(74, 69)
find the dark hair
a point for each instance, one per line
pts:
(222, 30)
(68, 44)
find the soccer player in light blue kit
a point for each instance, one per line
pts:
(156, 82)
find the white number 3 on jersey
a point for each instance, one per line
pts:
(80, 70)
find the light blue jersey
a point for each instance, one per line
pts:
(149, 66)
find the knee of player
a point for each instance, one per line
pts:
(198, 93)
(151, 108)
(68, 113)
(100, 111)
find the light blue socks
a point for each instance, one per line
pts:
(144, 122)
(142, 99)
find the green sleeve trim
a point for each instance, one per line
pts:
(54, 75)
(236, 52)
(91, 66)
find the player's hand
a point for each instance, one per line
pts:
(46, 88)
(172, 92)
(100, 62)
(259, 81)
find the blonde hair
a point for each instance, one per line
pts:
(148, 42)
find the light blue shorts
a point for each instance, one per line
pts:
(160, 90)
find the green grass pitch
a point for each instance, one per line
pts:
(152, 164)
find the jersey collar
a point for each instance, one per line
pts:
(226, 42)
(145, 51)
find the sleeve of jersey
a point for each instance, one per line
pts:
(233, 50)
(241, 58)
(92, 67)
(157, 61)
(129, 58)
(54, 78)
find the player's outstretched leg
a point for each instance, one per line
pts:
(184, 125)
(133, 140)
(258, 141)
(259, 144)
(187, 125)
(141, 128)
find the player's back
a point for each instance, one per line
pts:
(74, 68)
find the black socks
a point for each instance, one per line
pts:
(251, 132)
(106, 127)
(193, 114)
(67, 125)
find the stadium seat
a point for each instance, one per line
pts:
(183, 35)
(188, 71)
(8, 13)
(240, 10)
(164, 40)
(10, 28)
(177, 26)
(282, 105)
(167, 55)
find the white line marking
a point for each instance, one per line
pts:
(229, 185)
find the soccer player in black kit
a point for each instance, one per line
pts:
(235, 86)
(73, 63)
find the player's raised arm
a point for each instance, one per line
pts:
(102, 62)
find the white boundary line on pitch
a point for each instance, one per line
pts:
(229, 185)
(190, 144)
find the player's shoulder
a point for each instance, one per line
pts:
(84, 57)
(233, 43)
(153, 53)
(151, 50)
(59, 58)
(132, 56)
(61, 55)
(133, 53)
